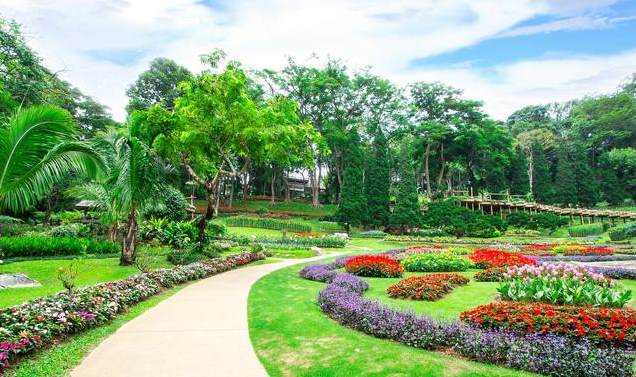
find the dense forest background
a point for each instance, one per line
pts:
(370, 141)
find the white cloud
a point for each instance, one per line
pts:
(382, 34)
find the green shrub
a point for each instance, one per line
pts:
(70, 230)
(66, 217)
(459, 221)
(251, 222)
(262, 210)
(172, 206)
(215, 230)
(544, 220)
(179, 257)
(622, 232)
(179, 234)
(435, 262)
(292, 242)
(585, 230)
(44, 246)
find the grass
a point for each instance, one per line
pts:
(292, 337)
(61, 359)
(93, 271)
(258, 232)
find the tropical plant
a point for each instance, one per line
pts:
(38, 147)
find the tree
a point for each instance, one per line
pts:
(542, 183)
(587, 188)
(38, 146)
(622, 161)
(565, 179)
(377, 182)
(406, 213)
(352, 209)
(519, 180)
(157, 85)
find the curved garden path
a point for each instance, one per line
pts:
(200, 331)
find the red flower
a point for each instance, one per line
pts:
(428, 287)
(374, 266)
(487, 258)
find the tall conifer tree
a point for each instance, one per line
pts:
(406, 214)
(352, 208)
(376, 183)
(565, 178)
(519, 180)
(541, 183)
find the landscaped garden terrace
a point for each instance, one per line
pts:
(446, 310)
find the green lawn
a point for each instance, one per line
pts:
(292, 337)
(93, 271)
(257, 232)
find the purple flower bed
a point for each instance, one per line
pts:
(553, 355)
(37, 323)
(614, 272)
(583, 258)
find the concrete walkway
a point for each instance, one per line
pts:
(200, 331)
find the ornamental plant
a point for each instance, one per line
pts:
(486, 258)
(591, 251)
(599, 324)
(424, 248)
(561, 284)
(436, 262)
(380, 266)
(428, 287)
(491, 274)
(538, 250)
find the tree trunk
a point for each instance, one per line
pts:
(209, 212)
(287, 192)
(312, 182)
(231, 193)
(273, 185)
(427, 173)
(246, 185)
(218, 198)
(130, 241)
(442, 169)
(112, 232)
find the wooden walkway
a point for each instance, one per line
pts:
(506, 207)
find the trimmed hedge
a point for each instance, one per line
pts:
(586, 230)
(251, 222)
(45, 246)
(622, 232)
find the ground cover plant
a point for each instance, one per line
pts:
(37, 323)
(47, 246)
(342, 301)
(561, 284)
(491, 274)
(435, 262)
(374, 265)
(599, 324)
(487, 258)
(429, 287)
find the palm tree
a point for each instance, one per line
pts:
(132, 182)
(38, 146)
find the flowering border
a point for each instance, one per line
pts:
(343, 301)
(40, 322)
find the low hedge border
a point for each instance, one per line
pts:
(37, 323)
(343, 301)
(252, 222)
(44, 246)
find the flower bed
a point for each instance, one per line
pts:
(380, 266)
(424, 249)
(547, 354)
(590, 251)
(486, 258)
(435, 262)
(491, 274)
(538, 250)
(614, 272)
(561, 284)
(598, 324)
(41, 322)
(584, 258)
(428, 287)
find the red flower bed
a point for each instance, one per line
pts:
(491, 274)
(601, 324)
(374, 266)
(590, 251)
(426, 287)
(486, 258)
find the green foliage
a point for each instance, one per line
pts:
(622, 232)
(518, 176)
(157, 85)
(67, 275)
(38, 146)
(66, 217)
(585, 230)
(460, 221)
(214, 230)
(172, 205)
(435, 262)
(376, 183)
(179, 234)
(544, 220)
(352, 210)
(45, 246)
(251, 222)
(70, 230)
(406, 213)
(542, 188)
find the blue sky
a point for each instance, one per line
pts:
(507, 53)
